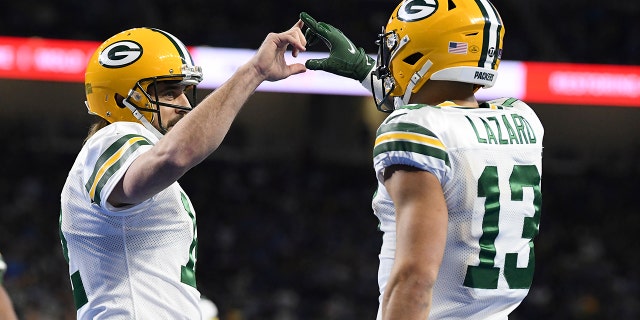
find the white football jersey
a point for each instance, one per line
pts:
(489, 163)
(135, 262)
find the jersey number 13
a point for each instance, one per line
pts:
(485, 274)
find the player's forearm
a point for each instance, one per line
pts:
(409, 290)
(407, 300)
(201, 132)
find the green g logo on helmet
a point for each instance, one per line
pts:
(414, 10)
(120, 54)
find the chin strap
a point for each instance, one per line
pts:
(415, 78)
(142, 119)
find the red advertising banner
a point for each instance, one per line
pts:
(533, 82)
(588, 84)
(44, 59)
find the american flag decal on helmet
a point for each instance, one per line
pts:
(458, 47)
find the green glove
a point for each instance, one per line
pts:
(344, 59)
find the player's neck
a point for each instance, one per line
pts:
(436, 92)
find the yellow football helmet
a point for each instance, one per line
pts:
(456, 40)
(123, 67)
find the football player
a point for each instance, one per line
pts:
(127, 228)
(458, 198)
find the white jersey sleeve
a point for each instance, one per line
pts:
(489, 163)
(108, 154)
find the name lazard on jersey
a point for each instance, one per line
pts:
(513, 129)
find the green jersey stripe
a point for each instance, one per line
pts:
(188, 271)
(404, 127)
(115, 167)
(79, 293)
(63, 240)
(110, 152)
(113, 148)
(509, 102)
(407, 146)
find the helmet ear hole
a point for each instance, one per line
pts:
(118, 98)
(413, 59)
(451, 5)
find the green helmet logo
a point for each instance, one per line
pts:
(120, 54)
(414, 10)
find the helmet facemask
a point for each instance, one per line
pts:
(143, 101)
(387, 44)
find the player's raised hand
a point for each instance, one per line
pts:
(344, 58)
(269, 60)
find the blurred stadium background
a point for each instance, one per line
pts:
(285, 225)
